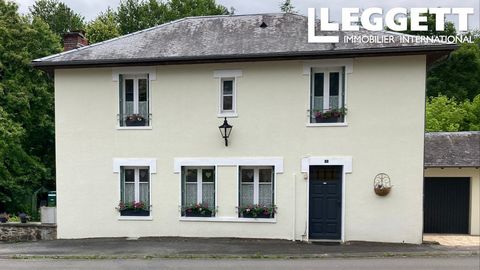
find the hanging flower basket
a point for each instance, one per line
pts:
(382, 191)
(382, 184)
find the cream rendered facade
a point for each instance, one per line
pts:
(383, 133)
(474, 175)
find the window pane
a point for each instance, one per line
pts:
(334, 89)
(227, 103)
(228, 87)
(265, 194)
(246, 194)
(129, 192)
(190, 193)
(208, 194)
(129, 175)
(317, 93)
(318, 84)
(129, 90)
(142, 90)
(144, 192)
(208, 175)
(144, 177)
(247, 175)
(265, 175)
(191, 175)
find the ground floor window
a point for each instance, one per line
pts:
(256, 192)
(135, 191)
(198, 191)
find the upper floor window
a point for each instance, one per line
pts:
(227, 96)
(198, 191)
(256, 192)
(134, 100)
(327, 95)
(134, 191)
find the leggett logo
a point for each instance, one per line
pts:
(374, 19)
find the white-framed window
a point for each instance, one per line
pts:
(135, 190)
(134, 102)
(198, 191)
(227, 96)
(256, 186)
(327, 95)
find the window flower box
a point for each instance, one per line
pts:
(198, 210)
(257, 211)
(331, 116)
(135, 120)
(136, 209)
(135, 213)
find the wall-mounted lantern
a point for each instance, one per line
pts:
(225, 130)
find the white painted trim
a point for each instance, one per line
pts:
(233, 111)
(132, 218)
(346, 162)
(228, 219)
(135, 128)
(151, 71)
(328, 63)
(135, 162)
(343, 214)
(344, 124)
(227, 73)
(277, 162)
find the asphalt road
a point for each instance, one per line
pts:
(464, 263)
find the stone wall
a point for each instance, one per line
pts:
(33, 231)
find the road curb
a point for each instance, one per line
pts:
(247, 256)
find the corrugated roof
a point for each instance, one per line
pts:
(452, 149)
(225, 37)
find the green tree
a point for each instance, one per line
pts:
(458, 76)
(26, 107)
(287, 7)
(103, 27)
(58, 16)
(444, 114)
(135, 15)
(472, 119)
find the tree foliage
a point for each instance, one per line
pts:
(135, 15)
(26, 107)
(447, 114)
(449, 27)
(458, 76)
(104, 27)
(287, 7)
(58, 16)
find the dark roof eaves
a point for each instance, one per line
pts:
(249, 57)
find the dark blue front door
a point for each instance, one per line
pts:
(325, 207)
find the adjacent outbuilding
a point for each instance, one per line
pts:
(452, 183)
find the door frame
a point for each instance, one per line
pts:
(346, 163)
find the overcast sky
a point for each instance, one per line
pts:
(90, 8)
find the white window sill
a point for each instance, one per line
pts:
(327, 124)
(135, 128)
(228, 115)
(135, 218)
(229, 219)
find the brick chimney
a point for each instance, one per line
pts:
(73, 40)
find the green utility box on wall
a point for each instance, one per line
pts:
(52, 199)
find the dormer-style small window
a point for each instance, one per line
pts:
(228, 95)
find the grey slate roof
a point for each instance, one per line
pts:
(452, 149)
(226, 37)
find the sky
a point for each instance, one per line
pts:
(90, 8)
